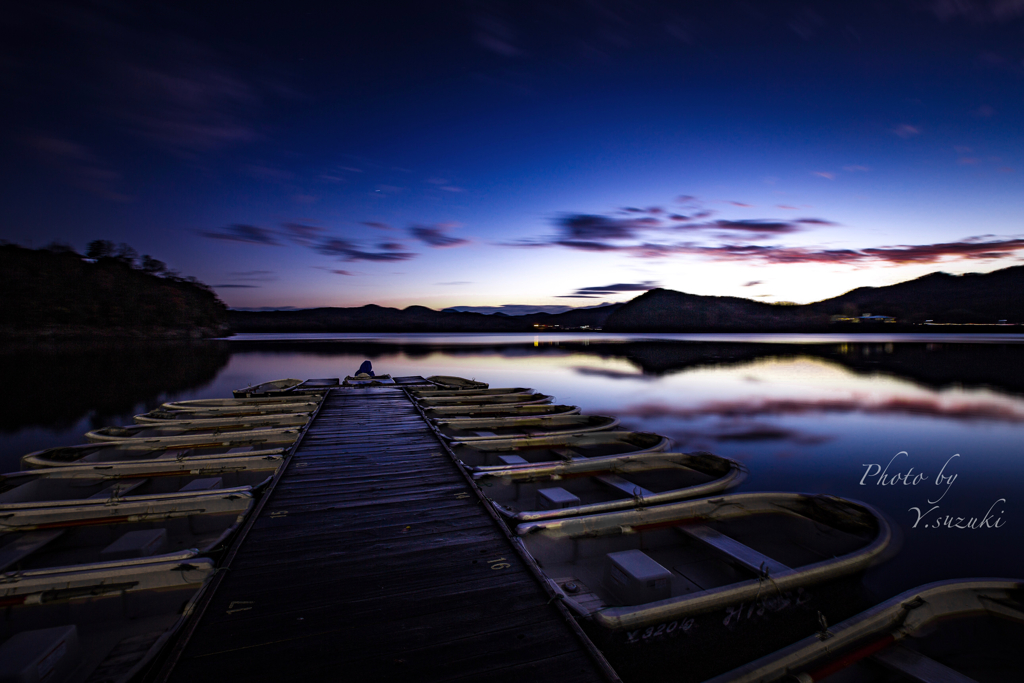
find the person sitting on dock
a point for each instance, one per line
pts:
(365, 369)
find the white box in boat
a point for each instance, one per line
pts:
(38, 655)
(556, 498)
(635, 578)
(145, 543)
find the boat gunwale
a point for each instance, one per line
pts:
(33, 458)
(489, 391)
(659, 446)
(453, 410)
(452, 401)
(611, 423)
(645, 462)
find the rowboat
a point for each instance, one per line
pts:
(270, 442)
(589, 487)
(282, 410)
(475, 429)
(506, 400)
(952, 631)
(490, 455)
(49, 497)
(118, 503)
(210, 427)
(103, 621)
(507, 412)
(257, 402)
(266, 388)
(692, 587)
(132, 537)
(434, 392)
(450, 382)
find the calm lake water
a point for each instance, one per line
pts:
(812, 413)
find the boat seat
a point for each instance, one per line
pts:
(206, 484)
(629, 488)
(733, 549)
(23, 546)
(917, 667)
(123, 489)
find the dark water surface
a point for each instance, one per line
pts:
(806, 413)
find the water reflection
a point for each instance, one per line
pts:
(801, 416)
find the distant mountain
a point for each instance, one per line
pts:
(973, 298)
(517, 309)
(977, 298)
(373, 318)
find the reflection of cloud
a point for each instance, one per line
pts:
(247, 234)
(749, 432)
(759, 408)
(615, 374)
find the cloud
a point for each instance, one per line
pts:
(856, 169)
(304, 235)
(253, 275)
(433, 236)
(906, 131)
(927, 253)
(978, 11)
(348, 251)
(814, 221)
(584, 227)
(753, 283)
(234, 286)
(742, 205)
(759, 227)
(457, 282)
(341, 272)
(247, 234)
(825, 174)
(787, 207)
(78, 165)
(587, 292)
(379, 226)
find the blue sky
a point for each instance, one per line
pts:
(490, 154)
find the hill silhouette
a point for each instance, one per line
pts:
(973, 298)
(56, 292)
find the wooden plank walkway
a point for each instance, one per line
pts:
(373, 560)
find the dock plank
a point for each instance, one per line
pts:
(374, 560)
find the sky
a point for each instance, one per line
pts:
(520, 155)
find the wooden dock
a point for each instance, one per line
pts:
(374, 559)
